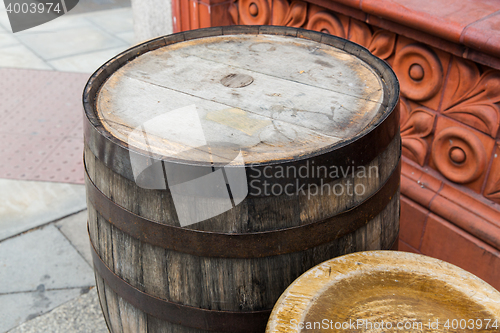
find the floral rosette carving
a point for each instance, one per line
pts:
(416, 125)
(472, 97)
(250, 12)
(258, 12)
(327, 23)
(380, 43)
(419, 71)
(294, 14)
(459, 154)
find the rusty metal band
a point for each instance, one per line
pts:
(357, 151)
(247, 245)
(199, 318)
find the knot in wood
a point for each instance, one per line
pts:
(236, 80)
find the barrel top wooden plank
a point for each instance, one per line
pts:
(389, 286)
(270, 97)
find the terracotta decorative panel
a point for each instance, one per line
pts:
(448, 66)
(421, 71)
(472, 97)
(268, 12)
(416, 127)
(433, 82)
(460, 153)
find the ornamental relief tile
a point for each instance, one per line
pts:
(492, 190)
(434, 84)
(269, 12)
(472, 97)
(416, 127)
(421, 71)
(461, 154)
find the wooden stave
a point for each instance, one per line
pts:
(104, 290)
(93, 135)
(116, 153)
(112, 310)
(243, 245)
(105, 253)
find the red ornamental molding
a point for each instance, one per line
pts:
(449, 73)
(272, 12)
(433, 82)
(471, 93)
(419, 72)
(416, 126)
(472, 97)
(459, 155)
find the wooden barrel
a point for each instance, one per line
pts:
(223, 163)
(386, 291)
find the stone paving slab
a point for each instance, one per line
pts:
(61, 43)
(41, 136)
(70, 41)
(120, 21)
(40, 270)
(74, 228)
(81, 315)
(128, 36)
(19, 56)
(7, 38)
(20, 307)
(153, 18)
(27, 204)
(60, 23)
(45, 270)
(81, 63)
(42, 259)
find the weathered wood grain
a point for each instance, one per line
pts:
(228, 284)
(390, 287)
(303, 96)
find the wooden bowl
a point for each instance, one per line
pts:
(386, 291)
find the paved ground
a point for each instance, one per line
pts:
(71, 43)
(45, 267)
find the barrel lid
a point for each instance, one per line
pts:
(270, 97)
(375, 291)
